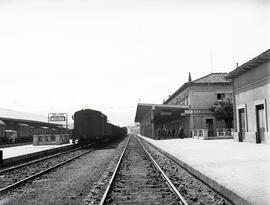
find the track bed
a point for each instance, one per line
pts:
(138, 181)
(69, 184)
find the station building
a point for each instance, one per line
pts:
(251, 95)
(186, 112)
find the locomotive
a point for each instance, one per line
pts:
(91, 126)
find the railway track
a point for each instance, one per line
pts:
(138, 179)
(191, 188)
(16, 176)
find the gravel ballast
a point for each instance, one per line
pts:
(66, 185)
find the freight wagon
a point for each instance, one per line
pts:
(91, 126)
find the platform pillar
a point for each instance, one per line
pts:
(152, 123)
(1, 156)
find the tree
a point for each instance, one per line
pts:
(223, 110)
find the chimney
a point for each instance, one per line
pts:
(189, 77)
(237, 65)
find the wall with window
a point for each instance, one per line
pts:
(255, 103)
(204, 96)
(253, 97)
(255, 75)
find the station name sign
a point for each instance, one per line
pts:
(56, 117)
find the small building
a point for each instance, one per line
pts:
(186, 112)
(251, 96)
(50, 139)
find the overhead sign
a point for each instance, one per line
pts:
(188, 111)
(56, 117)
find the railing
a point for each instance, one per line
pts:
(200, 133)
(224, 132)
(204, 133)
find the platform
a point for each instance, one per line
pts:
(10, 152)
(239, 170)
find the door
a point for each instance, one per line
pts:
(210, 126)
(260, 123)
(242, 124)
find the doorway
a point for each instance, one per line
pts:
(260, 123)
(210, 126)
(242, 124)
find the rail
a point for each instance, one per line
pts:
(113, 176)
(174, 189)
(36, 161)
(16, 184)
(170, 184)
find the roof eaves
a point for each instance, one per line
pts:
(263, 57)
(185, 85)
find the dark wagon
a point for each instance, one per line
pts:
(89, 126)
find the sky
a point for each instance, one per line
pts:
(108, 55)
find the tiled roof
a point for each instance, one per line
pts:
(11, 114)
(213, 78)
(253, 63)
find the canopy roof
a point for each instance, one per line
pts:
(22, 124)
(2, 123)
(159, 109)
(6, 114)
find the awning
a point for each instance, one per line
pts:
(2, 123)
(13, 131)
(158, 110)
(44, 127)
(25, 125)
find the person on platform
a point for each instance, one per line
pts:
(181, 133)
(164, 132)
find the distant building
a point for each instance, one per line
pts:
(187, 109)
(251, 93)
(26, 124)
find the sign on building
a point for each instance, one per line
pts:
(188, 112)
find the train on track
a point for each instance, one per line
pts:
(91, 126)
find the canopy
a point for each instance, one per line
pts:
(2, 123)
(25, 125)
(158, 110)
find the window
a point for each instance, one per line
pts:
(40, 138)
(186, 100)
(220, 96)
(52, 138)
